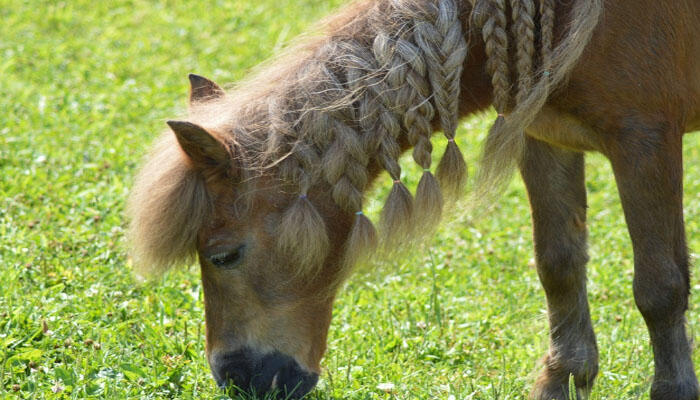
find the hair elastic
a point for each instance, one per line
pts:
(396, 181)
(302, 196)
(359, 213)
(452, 140)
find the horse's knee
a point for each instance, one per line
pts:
(562, 267)
(660, 290)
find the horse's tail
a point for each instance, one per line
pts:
(506, 139)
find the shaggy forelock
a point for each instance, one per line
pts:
(167, 207)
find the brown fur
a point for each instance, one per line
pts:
(309, 134)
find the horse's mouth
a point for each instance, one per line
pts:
(243, 371)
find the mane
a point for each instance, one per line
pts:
(343, 102)
(168, 205)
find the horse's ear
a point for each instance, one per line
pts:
(202, 89)
(200, 146)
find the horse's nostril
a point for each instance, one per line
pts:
(286, 376)
(234, 369)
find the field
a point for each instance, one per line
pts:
(85, 86)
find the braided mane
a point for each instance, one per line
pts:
(340, 104)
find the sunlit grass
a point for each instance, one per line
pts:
(86, 86)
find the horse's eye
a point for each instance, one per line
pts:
(228, 259)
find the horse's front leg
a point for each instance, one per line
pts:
(555, 183)
(649, 171)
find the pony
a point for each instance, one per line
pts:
(265, 184)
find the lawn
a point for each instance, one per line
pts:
(85, 86)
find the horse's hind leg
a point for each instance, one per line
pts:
(647, 162)
(555, 185)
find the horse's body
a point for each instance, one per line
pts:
(630, 91)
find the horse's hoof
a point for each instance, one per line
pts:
(556, 392)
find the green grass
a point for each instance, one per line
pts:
(85, 87)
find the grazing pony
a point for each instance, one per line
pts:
(265, 184)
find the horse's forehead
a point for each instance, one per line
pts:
(245, 204)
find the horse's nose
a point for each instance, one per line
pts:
(234, 368)
(261, 374)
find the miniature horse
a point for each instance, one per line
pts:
(265, 184)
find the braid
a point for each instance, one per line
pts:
(302, 229)
(296, 156)
(416, 122)
(491, 16)
(386, 89)
(546, 36)
(445, 49)
(345, 165)
(345, 161)
(524, 33)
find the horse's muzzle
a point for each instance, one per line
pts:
(245, 370)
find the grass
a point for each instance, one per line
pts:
(85, 87)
